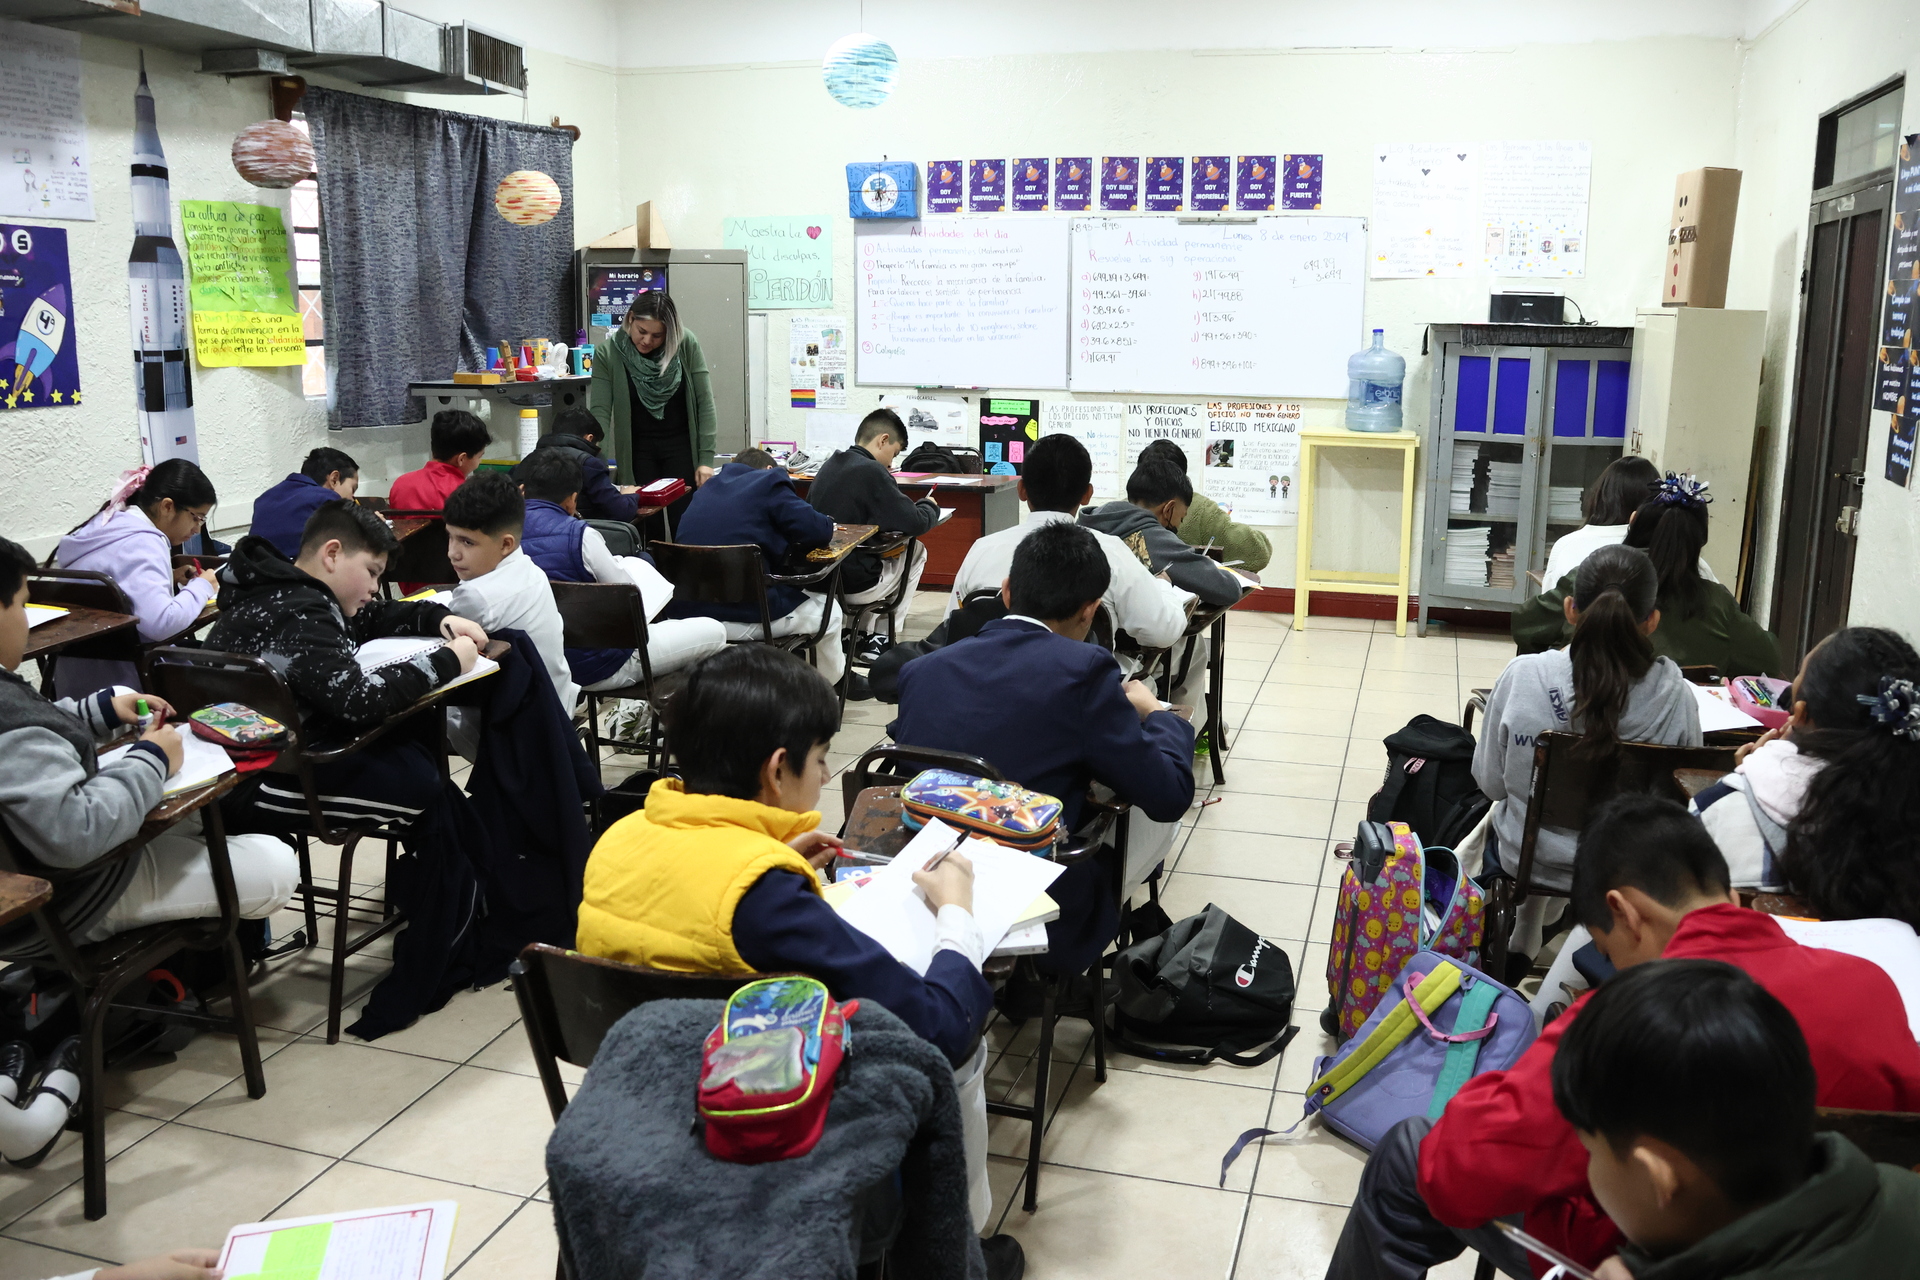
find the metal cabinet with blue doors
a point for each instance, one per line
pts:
(1522, 419)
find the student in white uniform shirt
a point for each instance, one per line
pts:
(1610, 503)
(1056, 482)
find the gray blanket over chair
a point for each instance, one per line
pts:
(636, 1193)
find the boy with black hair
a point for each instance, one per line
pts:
(1148, 521)
(856, 486)
(1059, 718)
(717, 872)
(501, 588)
(64, 809)
(1649, 883)
(307, 617)
(752, 499)
(458, 440)
(1055, 482)
(579, 432)
(1206, 523)
(280, 514)
(1693, 1092)
(568, 549)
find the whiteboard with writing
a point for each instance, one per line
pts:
(1271, 307)
(962, 302)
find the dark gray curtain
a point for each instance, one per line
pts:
(421, 275)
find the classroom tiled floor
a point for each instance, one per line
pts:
(451, 1109)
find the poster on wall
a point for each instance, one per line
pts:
(1424, 211)
(986, 186)
(1900, 432)
(1300, 181)
(1253, 460)
(817, 362)
(1253, 183)
(1165, 183)
(43, 128)
(1533, 207)
(243, 307)
(1100, 426)
(1898, 350)
(611, 290)
(1030, 179)
(1210, 183)
(157, 294)
(1073, 184)
(945, 420)
(38, 356)
(1007, 427)
(1184, 424)
(945, 179)
(789, 259)
(1120, 184)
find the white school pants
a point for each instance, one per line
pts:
(672, 644)
(829, 659)
(174, 880)
(890, 571)
(971, 1083)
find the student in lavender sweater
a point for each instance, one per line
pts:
(131, 538)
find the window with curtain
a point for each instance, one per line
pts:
(306, 271)
(420, 273)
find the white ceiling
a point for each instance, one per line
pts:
(660, 33)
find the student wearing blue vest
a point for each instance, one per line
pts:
(579, 432)
(753, 500)
(280, 514)
(568, 549)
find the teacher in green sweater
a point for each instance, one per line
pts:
(653, 397)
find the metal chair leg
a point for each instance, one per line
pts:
(93, 1113)
(337, 977)
(243, 1029)
(1097, 976)
(1042, 1065)
(306, 888)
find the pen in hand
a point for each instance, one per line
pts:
(941, 856)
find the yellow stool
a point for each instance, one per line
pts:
(1380, 584)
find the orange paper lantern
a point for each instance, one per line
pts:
(527, 198)
(273, 154)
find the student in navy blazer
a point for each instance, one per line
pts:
(752, 500)
(1053, 713)
(280, 514)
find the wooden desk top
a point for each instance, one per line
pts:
(20, 894)
(80, 623)
(933, 479)
(845, 538)
(407, 526)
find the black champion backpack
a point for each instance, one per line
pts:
(1429, 783)
(933, 458)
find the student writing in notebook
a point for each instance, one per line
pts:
(717, 873)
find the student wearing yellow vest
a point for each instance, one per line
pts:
(717, 873)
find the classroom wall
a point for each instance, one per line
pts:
(254, 425)
(1818, 55)
(1651, 107)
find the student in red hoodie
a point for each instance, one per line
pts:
(458, 440)
(1648, 882)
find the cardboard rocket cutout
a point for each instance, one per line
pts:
(157, 290)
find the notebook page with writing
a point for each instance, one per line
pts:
(390, 650)
(200, 763)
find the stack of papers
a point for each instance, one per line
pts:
(1467, 555)
(1563, 504)
(1500, 569)
(1007, 884)
(1503, 490)
(1466, 475)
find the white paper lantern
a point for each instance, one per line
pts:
(527, 198)
(860, 70)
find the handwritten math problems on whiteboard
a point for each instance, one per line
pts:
(1168, 307)
(963, 302)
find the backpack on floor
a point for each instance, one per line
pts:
(1209, 981)
(1397, 898)
(1429, 783)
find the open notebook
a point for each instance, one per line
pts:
(405, 1242)
(200, 763)
(892, 911)
(389, 650)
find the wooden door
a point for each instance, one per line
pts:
(1833, 391)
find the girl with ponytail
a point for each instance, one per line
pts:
(1828, 806)
(1703, 625)
(1608, 685)
(131, 538)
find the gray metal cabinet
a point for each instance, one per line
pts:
(1521, 419)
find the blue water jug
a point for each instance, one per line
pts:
(1373, 387)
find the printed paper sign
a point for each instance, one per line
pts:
(1007, 427)
(986, 186)
(817, 362)
(1073, 184)
(789, 259)
(1120, 184)
(1100, 425)
(1300, 182)
(945, 179)
(43, 128)
(1165, 182)
(1210, 183)
(1253, 460)
(1253, 183)
(242, 290)
(39, 357)
(1030, 178)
